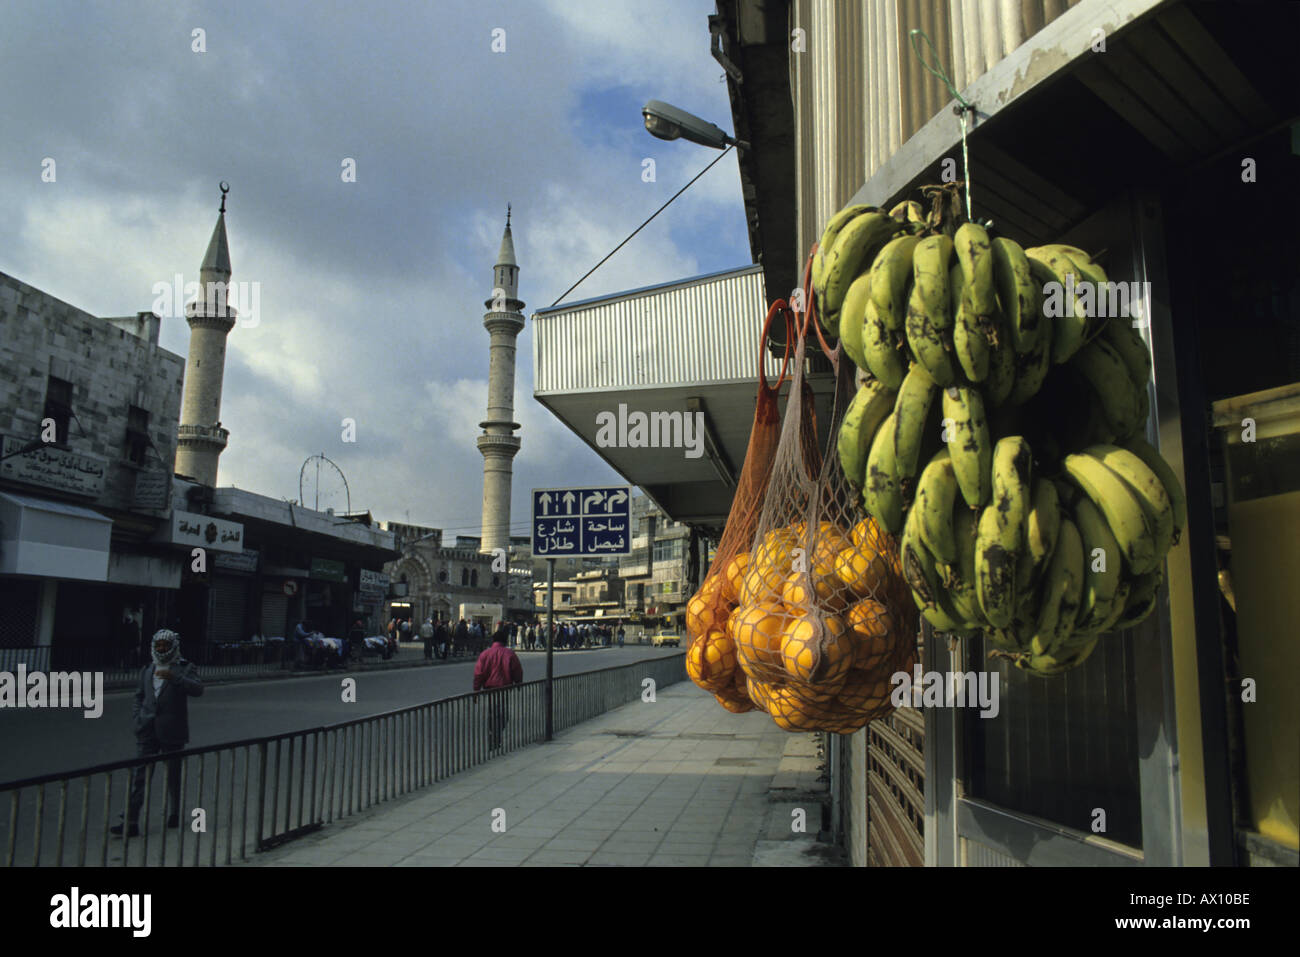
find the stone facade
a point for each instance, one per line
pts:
(111, 364)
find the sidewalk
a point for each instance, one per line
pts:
(677, 782)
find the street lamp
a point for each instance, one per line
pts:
(669, 123)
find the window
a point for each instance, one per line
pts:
(668, 551)
(496, 581)
(464, 577)
(58, 406)
(442, 576)
(137, 434)
(473, 578)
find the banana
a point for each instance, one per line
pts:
(912, 411)
(1124, 513)
(908, 211)
(868, 409)
(1047, 666)
(1117, 606)
(927, 342)
(1157, 464)
(1141, 599)
(879, 348)
(969, 443)
(1032, 368)
(995, 572)
(1061, 303)
(920, 574)
(1018, 294)
(975, 254)
(881, 494)
(1001, 379)
(829, 234)
(1042, 527)
(853, 314)
(853, 251)
(936, 491)
(1062, 590)
(969, 343)
(962, 587)
(931, 261)
(1102, 565)
(891, 275)
(1012, 485)
(1116, 393)
(1119, 333)
(1147, 484)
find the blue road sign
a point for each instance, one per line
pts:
(582, 521)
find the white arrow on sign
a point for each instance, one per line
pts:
(619, 496)
(595, 498)
(545, 499)
(568, 499)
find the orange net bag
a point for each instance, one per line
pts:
(711, 656)
(823, 617)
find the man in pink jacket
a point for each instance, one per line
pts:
(497, 667)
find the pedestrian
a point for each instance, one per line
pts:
(440, 637)
(497, 667)
(426, 635)
(406, 633)
(160, 719)
(356, 639)
(460, 639)
(621, 635)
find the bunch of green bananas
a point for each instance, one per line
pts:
(1000, 439)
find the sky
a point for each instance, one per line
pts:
(371, 292)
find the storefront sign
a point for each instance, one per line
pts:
(326, 569)
(245, 561)
(202, 531)
(51, 467)
(152, 490)
(372, 585)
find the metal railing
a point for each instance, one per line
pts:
(239, 798)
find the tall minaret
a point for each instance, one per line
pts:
(200, 439)
(504, 321)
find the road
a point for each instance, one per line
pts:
(51, 740)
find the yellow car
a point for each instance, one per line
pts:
(659, 641)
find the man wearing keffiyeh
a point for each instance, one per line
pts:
(161, 721)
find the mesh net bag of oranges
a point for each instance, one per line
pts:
(811, 620)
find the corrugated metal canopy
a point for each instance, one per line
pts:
(678, 350)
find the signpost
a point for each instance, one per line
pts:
(572, 522)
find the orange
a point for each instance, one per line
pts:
(867, 536)
(865, 693)
(831, 540)
(817, 652)
(735, 705)
(757, 634)
(875, 635)
(703, 610)
(863, 573)
(773, 554)
(733, 575)
(792, 714)
(761, 584)
(711, 661)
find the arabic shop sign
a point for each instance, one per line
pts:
(52, 467)
(325, 569)
(203, 531)
(582, 521)
(372, 585)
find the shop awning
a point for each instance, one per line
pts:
(52, 539)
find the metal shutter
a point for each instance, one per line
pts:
(275, 614)
(226, 604)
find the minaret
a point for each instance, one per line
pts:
(504, 321)
(200, 439)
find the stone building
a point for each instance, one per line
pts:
(447, 581)
(656, 576)
(88, 413)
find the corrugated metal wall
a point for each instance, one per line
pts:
(860, 91)
(698, 331)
